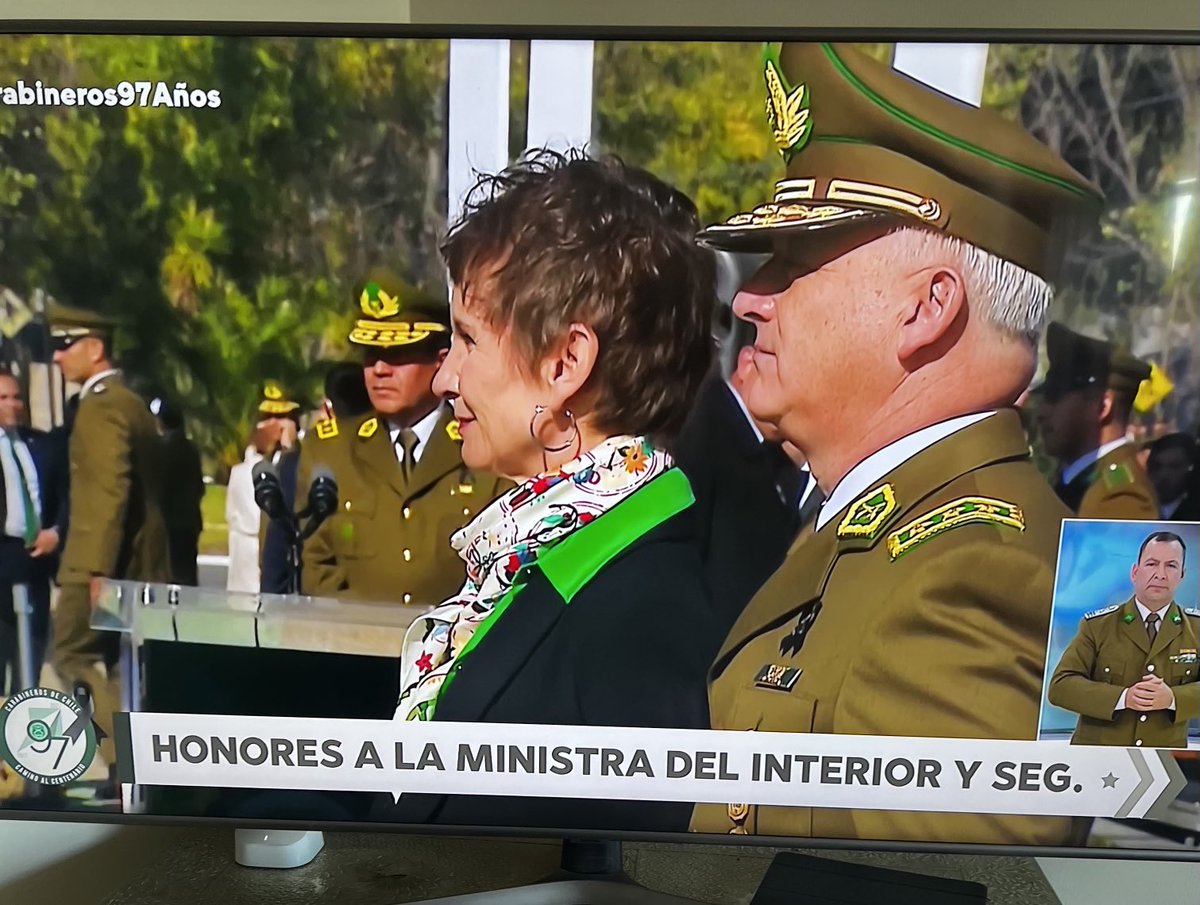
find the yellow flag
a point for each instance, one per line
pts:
(1153, 390)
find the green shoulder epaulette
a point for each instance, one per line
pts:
(327, 429)
(1117, 475)
(1102, 611)
(969, 510)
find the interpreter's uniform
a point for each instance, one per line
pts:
(920, 606)
(1112, 652)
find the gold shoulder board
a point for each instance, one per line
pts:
(1103, 611)
(327, 429)
(966, 511)
(368, 428)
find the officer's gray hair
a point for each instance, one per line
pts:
(1008, 297)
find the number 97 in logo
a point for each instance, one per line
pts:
(46, 736)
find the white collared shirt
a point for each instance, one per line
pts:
(862, 476)
(13, 451)
(423, 429)
(1072, 471)
(94, 379)
(810, 485)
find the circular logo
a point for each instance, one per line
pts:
(46, 737)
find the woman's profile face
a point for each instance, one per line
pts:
(493, 398)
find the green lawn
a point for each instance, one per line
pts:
(214, 539)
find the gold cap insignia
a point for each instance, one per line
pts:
(376, 302)
(787, 111)
(869, 513)
(970, 510)
(272, 391)
(367, 428)
(453, 432)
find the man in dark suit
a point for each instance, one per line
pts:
(752, 497)
(33, 479)
(184, 480)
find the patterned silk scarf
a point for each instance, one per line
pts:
(506, 536)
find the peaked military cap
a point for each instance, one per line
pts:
(274, 401)
(68, 324)
(1078, 361)
(864, 142)
(394, 313)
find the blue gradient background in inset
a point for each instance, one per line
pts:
(1094, 560)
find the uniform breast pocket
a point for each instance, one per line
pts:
(772, 710)
(1181, 672)
(1110, 668)
(355, 533)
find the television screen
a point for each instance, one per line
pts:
(723, 439)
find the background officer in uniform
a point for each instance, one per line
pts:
(403, 489)
(898, 322)
(1083, 413)
(183, 475)
(1131, 673)
(116, 528)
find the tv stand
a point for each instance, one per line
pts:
(590, 873)
(276, 848)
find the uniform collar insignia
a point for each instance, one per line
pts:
(453, 432)
(327, 429)
(869, 513)
(367, 429)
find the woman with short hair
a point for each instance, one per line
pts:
(581, 333)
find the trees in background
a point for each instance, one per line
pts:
(227, 239)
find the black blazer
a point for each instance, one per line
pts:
(49, 455)
(744, 528)
(631, 649)
(274, 557)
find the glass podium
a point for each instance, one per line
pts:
(208, 650)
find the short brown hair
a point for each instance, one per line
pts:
(594, 241)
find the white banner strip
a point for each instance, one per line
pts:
(826, 771)
(560, 95)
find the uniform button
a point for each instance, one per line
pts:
(407, 512)
(466, 512)
(1142, 718)
(1138, 743)
(407, 554)
(1106, 669)
(407, 598)
(347, 505)
(453, 491)
(1150, 667)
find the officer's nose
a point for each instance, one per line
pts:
(752, 307)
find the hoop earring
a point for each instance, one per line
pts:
(574, 438)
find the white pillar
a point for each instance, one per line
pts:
(954, 69)
(477, 128)
(560, 94)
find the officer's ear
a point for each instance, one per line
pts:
(933, 319)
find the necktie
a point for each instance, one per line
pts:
(31, 518)
(406, 445)
(1152, 626)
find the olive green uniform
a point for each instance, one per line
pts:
(923, 611)
(390, 538)
(1112, 652)
(1120, 489)
(116, 530)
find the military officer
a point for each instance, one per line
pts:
(1083, 413)
(898, 318)
(403, 489)
(116, 525)
(1131, 673)
(276, 438)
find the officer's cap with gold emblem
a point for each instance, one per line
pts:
(866, 145)
(274, 402)
(69, 324)
(392, 313)
(1078, 362)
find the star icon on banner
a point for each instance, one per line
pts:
(1110, 781)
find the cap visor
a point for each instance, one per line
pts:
(760, 230)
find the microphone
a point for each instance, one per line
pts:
(322, 494)
(268, 492)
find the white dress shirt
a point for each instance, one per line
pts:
(14, 452)
(1072, 471)
(866, 473)
(423, 429)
